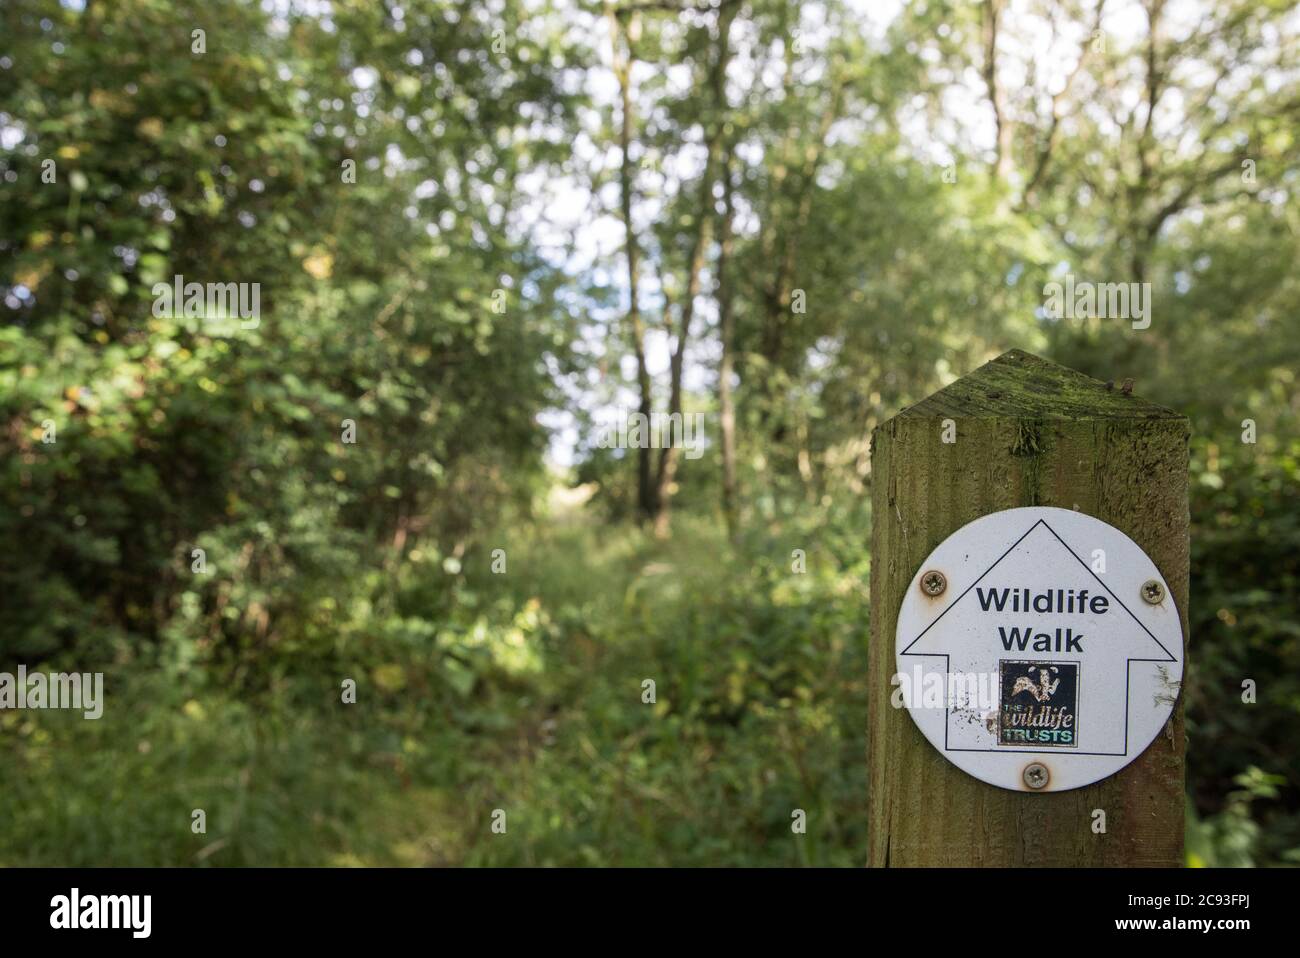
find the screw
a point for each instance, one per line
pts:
(1036, 775)
(933, 583)
(1153, 593)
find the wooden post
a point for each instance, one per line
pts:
(1028, 433)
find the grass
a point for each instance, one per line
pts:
(529, 698)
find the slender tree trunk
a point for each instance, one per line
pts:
(647, 505)
(997, 95)
(669, 455)
(726, 332)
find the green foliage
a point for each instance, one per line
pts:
(387, 177)
(530, 701)
(1245, 579)
(759, 699)
(175, 434)
(1230, 838)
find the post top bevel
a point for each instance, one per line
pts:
(1020, 385)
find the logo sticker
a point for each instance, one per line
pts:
(1039, 703)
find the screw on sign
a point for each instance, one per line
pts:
(1036, 775)
(933, 583)
(1153, 592)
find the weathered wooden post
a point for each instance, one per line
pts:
(1075, 758)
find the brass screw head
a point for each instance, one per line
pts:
(933, 583)
(1036, 775)
(1153, 593)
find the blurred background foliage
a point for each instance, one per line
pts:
(834, 208)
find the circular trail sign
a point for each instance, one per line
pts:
(1039, 649)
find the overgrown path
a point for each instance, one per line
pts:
(609, 699)
(681, 702)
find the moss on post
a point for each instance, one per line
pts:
(1028, 433)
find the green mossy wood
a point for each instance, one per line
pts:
(1028, 433)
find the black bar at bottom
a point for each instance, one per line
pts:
(930, 908)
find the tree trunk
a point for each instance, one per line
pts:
(726, 332)
(647, 505)
(670, 453)
(997, 96)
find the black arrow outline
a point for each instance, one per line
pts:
(1128, 665)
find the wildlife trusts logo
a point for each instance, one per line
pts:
(1039, 703)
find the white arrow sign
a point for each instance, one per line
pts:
(1038, 649)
